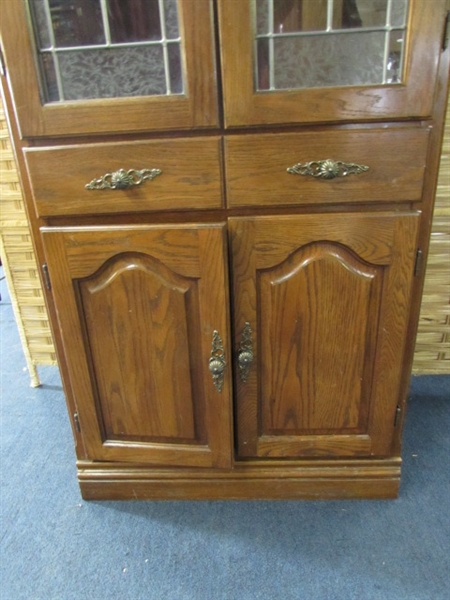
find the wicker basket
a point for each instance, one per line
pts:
(19, 264)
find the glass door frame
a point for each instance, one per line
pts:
(413, 98)
(196, 108)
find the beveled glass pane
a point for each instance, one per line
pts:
(175, 69)
(171, 19)
(395, 56)
(76, 23)
(263, 77)
(113, 72)
(348, 14)
(49, 72)
(299, 15)
(328, 60)
(262, 16)
(134, 20)
(398, 12)
(39, 16)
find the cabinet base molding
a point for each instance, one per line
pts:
(358, 479)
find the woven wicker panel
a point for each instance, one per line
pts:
(432, 353)
(19, 263)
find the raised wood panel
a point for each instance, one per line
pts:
(137, 328)
(327, 297)
(196, 108)
(190, 176)
(140, 321)
(245, 107)
(320, 300)
(256, 167)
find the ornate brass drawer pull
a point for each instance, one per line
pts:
(327, 169)
(121, 179)
(217, 362)
(245, 356)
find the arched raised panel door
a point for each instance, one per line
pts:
(320, 61)
(326, 298)
(110, 66)
(138, 307)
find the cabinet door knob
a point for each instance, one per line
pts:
(245, 355)
(327, 169)
(122, 179)
(217, 362)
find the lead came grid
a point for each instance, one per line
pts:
(394, 36)
(47, 46)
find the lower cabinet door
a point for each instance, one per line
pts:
(138, 308)
(321, 306)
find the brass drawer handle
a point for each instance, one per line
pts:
(217, 362)
(245, 355)
(327, 169)
(121, 179)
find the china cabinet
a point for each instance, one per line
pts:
(231, 205)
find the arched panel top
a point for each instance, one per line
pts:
(127, 262)
(321, 251)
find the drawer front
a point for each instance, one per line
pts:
(190, 176)
(257, 167)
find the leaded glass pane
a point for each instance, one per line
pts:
(323, 43)
(107, 48)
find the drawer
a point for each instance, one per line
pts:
(256, 166)
(190, 176)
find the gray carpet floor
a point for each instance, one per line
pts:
(56, 546)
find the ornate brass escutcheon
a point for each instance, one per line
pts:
(217, 362)
(327, 169)
(245, 356)
(122, 179)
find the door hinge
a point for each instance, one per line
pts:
(446, 31)
(2, 63)
(419, 262)
(76, 421)
(398, 412)
(47, 282)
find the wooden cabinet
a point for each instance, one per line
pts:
(326, 298)
(231, 202)
(137, 307)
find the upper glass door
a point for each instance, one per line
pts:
(328, 60)
(328, 43)
(107, 48)
(110, 65)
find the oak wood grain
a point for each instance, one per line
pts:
(190, 176)
(256, 167)
(327, 299)
(137, 335)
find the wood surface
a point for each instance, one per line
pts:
(317, 479)
(256, 166)
(137, 321)
(327, 298)
(190, 176)
(196, 108)
(244, 107)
